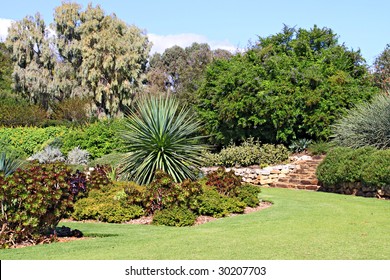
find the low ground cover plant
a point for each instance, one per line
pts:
(106, 205)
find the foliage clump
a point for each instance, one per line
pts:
(8, 165)
(226, 183)
(229, 184)
(33, 201)
(99, 138)
(98, 178)
(165, 193)
(106, 205)
(175, 216)
(288, 86)
(77, 156)
(26, 141)
(212, 203)
(368, 124)
(49, 155)
(16, 113)
(367, 169)
(250, 152)
(160, 136)
(171, 203)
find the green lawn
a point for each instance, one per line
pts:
(300, 225)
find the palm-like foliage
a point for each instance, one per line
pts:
(160, 136)
(8, 165)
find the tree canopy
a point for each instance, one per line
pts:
(287, 86)
(90, 55)
(179, 71)
(382, 70)
(5, 70)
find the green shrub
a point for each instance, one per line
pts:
(99, 138)
(273, 154)
(366, 125)
(320, 147)
(98, 179)
(164, 193)
(212, 203)
(112, 213)
(29, 140)
(299, 145)
(249, 194)
(250, 152)
(376, 170)
(175, 216)
(343, 165)
(106, 205)
(10, 150)
(33, 201)
(224, 182)
(135, 194)
(15, 113)
(363, 171)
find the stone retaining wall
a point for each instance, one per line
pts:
(299, 174)
(359, 189)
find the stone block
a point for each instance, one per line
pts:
(266, 182)
(282, 185)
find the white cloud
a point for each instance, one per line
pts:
(4, 24)
(162, 42)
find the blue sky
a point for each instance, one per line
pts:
(230, 24)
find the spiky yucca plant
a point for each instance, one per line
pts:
(367, 124)
(161, 136)
(8, 165)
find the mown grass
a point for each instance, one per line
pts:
(300, 225)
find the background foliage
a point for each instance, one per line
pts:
(92, 55)
(287, 86)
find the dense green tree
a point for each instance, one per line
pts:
(287, 86)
